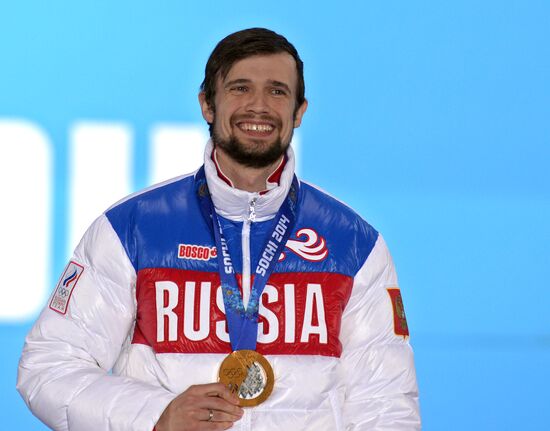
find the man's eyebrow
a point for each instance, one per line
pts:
(237, 81)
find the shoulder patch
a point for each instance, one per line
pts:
(400, 326)
(65, 287)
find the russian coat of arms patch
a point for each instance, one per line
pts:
(400, 326)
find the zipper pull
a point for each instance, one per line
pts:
(252, 210)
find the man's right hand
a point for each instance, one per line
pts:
(201, 407)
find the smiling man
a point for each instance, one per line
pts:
(256, 102)
(235, 297)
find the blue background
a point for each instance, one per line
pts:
(432, 119)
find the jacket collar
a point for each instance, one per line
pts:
(234, 204)
(272, 181)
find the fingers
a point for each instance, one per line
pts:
(220, 406)
(201, 407)
(221, 391)
(216, 396)
(211, 415)
(216, 403)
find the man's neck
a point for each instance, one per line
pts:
(245, 177)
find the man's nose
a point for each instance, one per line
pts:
(257, 103)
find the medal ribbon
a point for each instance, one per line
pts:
(243, 323)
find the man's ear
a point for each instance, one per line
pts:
(207, 112)
(299, 114)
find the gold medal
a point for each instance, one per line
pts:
(249, 375)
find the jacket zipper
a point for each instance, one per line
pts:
(245, 244)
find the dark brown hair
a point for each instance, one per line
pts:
(243, 44)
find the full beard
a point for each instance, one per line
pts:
(260, 154)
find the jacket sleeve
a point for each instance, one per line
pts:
(64, 371)
(381, 389)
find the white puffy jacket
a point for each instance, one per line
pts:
(137, 316)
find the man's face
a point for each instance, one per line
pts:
(255, 109)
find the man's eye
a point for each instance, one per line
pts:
(278, 92)
(239, 89)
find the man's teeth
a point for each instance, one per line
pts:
(256, 127)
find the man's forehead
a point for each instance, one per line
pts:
(280, 67)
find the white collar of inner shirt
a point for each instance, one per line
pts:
(234, 204)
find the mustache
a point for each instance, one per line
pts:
(262, 117)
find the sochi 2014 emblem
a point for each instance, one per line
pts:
(309, 245)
